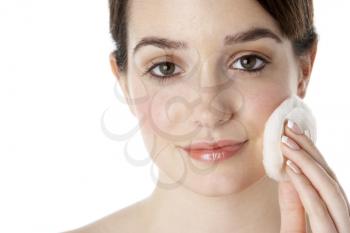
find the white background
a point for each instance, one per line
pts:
(58, 170)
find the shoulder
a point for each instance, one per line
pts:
(133, 218)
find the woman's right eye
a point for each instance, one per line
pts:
(163, 70)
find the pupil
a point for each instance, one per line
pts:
(167, 68)
(247, 62)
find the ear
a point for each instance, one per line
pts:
(122, 81)
(306, 63)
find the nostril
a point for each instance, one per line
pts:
(226, 117)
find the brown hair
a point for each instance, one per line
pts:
(294, 18)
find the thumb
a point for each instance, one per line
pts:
(292, 209)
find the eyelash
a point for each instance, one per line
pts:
(165, 78)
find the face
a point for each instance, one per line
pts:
(208, 87)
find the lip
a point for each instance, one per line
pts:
(213, 152)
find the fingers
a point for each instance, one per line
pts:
(318, 175)
(292, 210)
(309, 147)
(320, 219)
(323, 183)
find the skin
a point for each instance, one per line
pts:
(235, 195)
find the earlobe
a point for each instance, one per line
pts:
(306, 63)
(121, 80)
(303, 79)
(303, 76)
(302, 86)
(117, 73)
(114, 66)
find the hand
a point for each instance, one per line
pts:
(315, 190)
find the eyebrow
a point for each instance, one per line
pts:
(241, 37)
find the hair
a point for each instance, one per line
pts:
(294, 19)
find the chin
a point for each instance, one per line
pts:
(216, 184)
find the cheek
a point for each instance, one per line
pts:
(151, 104)
(263, 100)
(164, 112)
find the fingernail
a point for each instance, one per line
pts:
(290, 143)
(294, 127)
(307, 133)
(293, 166)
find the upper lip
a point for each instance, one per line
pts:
(212, 145)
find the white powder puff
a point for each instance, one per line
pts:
(292, 108)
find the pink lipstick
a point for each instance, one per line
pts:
(213, 152)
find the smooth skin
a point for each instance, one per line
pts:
(236, 196)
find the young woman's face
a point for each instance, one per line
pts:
(213, 93)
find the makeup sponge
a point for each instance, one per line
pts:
(292, 108)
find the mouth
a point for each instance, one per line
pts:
(214, 152)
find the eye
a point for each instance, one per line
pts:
(250, 63)
(163, 69)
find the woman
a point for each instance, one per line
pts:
(204, 71)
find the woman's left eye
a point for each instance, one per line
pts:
(250, 63)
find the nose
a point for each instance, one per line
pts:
(213, 107)
(210, 111)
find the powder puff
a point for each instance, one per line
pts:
(292, 108)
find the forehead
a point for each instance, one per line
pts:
(195, 21)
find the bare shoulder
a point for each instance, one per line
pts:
(133, 218)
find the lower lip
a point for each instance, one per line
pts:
(215, 155)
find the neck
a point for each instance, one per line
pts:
(254, 209)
